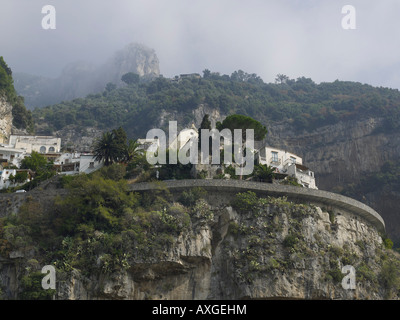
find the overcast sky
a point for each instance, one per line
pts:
(266, 37)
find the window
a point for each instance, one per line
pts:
(293, 159)
(51, 149)
(274, 156)
(91, 165)
(42, 149)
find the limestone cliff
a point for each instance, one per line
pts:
(252, 248)
(6, 119)
(343, 153)
(135, 58)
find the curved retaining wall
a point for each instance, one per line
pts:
(299, 194)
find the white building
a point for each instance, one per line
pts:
(88, 164)
(10, 156)
(287, 163)
(41, 144)
(5, 181)
(5, 175)
(67, 158)
(68, 163)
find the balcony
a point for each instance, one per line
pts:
(275, 161)
(289, 162)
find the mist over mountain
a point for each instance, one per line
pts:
(81, 78)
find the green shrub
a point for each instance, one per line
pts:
(189, 198)
(32, 287)
(387, 242)
(335, 274)
(245, 202)
(390, 276)
(364, 272)
(290, 241)
(233, 228)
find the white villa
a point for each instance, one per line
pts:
(10, 156)
(5, 175)
(88, 164)
(287, 163)
(5, 181)
(41, 144)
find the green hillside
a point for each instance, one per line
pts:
(306, 104)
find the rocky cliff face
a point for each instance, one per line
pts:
(135, 58)
(339, 153)
(242, 257)
(271, 249)
(342, 154)
(6, 119)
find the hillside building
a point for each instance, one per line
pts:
(288, 164)
(88, 163)
(6, 174)
(41, 144)
(10, 156)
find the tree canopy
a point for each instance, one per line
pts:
(300, 102)
(238, 121)
(130, 78)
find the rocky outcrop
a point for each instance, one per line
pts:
(249, 248)
(239, 256)
(6, 119)
(135, 58)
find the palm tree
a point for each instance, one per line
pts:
(132, 150)
(263, 172)
(107, 149)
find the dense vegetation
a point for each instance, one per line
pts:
(99, 227)
(302, 102)
(22, 118)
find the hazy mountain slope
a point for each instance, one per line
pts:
(81, 78)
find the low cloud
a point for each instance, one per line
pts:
(297, 38)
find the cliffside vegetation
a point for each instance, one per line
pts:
(22, 118)
(100, 227)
